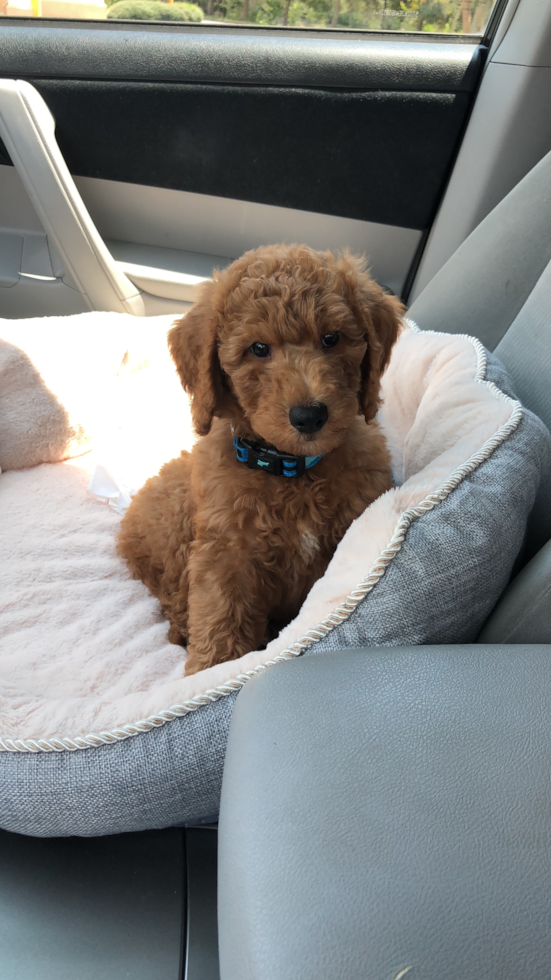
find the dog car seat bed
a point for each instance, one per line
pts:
(99, 730)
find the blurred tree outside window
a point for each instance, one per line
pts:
(433, 16)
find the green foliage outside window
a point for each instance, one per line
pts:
(153, 10)
(442, 16)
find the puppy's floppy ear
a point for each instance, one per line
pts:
(193, 343)
(384, 323)
(381, 317)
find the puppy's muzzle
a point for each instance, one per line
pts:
(308, 418)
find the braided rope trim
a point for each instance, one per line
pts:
(319, 632)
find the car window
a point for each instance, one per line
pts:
(429, 16)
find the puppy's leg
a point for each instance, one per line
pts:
(228, 611)
(155, 538)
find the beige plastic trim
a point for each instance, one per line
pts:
(163, 282)
(27, 128)
(224, 228)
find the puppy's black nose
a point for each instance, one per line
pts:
(308, 418)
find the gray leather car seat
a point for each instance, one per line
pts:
(388, 812)
(497, 287)
(389, 809)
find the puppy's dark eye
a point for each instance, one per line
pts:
(330, 339)
(260, 350)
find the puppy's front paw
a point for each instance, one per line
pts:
(174, 636)
(195, 662)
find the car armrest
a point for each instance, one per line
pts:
(386, 811)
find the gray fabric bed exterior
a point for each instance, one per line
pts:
(456, 560)
(170, 776)
(440, 588)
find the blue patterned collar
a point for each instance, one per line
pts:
(271, 460)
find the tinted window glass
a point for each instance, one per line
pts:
(434, 16)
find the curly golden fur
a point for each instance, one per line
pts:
(232, 552)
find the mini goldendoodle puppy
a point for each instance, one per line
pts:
(282, 357)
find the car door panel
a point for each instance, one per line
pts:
(375, 156)
(332, 142)
(219, 227)
(153, 52)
